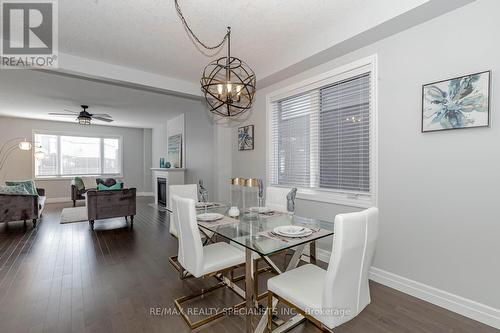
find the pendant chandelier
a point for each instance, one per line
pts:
(228, 83)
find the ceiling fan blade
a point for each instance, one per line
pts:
(103, 119)
(75, 112)
(104, 115)
(61, 114)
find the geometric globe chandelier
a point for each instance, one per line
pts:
(227, 83)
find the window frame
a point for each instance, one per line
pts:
(90, 135)
(340, 197)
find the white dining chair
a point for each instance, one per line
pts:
(332, 297)
(186, 191)
(276, 198)
(202, 261)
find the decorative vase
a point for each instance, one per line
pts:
(167, 165)
(162, 162)
(234, 211)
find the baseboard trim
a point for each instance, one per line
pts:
(466, 307)
(463, 306)
(57, 200)
(145, 194)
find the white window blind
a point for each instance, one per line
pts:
(345, 135)
(68, 155)
(320, 139)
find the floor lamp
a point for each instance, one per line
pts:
(13, 144)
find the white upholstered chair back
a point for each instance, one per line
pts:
(190, 247)
(276, 198)
(185, 191)
(346, 286)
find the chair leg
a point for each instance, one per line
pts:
(269, 311)
(175, 263)
(131, 220)
(192, 325)
(74, 203)
(91, 224)
(34, 223)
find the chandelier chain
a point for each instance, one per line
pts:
(188, 28)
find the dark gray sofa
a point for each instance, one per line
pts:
(111, 203)
(22, 207)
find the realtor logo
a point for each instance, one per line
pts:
(29, 34)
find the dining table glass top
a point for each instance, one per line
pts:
(255, 231)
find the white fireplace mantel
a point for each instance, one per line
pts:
(174, 176)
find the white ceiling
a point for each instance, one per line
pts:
(268, 35)
(33, 94)
(143, 43)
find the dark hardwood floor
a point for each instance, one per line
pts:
(67, 278)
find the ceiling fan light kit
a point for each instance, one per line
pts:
(84, 117)
(228, 83)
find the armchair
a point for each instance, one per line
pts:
(111, 203)
(22, 207)
(77, 194)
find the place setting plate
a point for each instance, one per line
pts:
(292, 231)
(261, 210)
(209, 217)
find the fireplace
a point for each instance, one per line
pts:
(162, 191)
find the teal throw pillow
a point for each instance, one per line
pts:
(102, 187)
(29, 185)
(117, 186)
(13, 190)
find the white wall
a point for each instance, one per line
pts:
(19, 164)
(437, 196)
(147, 144)
(198, 144)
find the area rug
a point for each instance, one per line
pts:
(74, 214)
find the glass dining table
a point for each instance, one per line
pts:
(255, 233)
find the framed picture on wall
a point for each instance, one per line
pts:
(174, 151)
(245, 138)
(461, 102)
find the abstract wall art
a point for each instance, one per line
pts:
(461, 102)
(174, 150)
(245, 138)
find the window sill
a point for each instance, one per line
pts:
(59, 178)
(344, 199)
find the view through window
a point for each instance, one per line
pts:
(68, 155)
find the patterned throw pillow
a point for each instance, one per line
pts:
(13, 190)
(29, 185)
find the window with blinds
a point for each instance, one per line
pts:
(69, 155)
(321, 138)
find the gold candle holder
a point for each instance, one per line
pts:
(238, 181)
(252, 182)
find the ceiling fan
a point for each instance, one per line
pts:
(84, 117)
